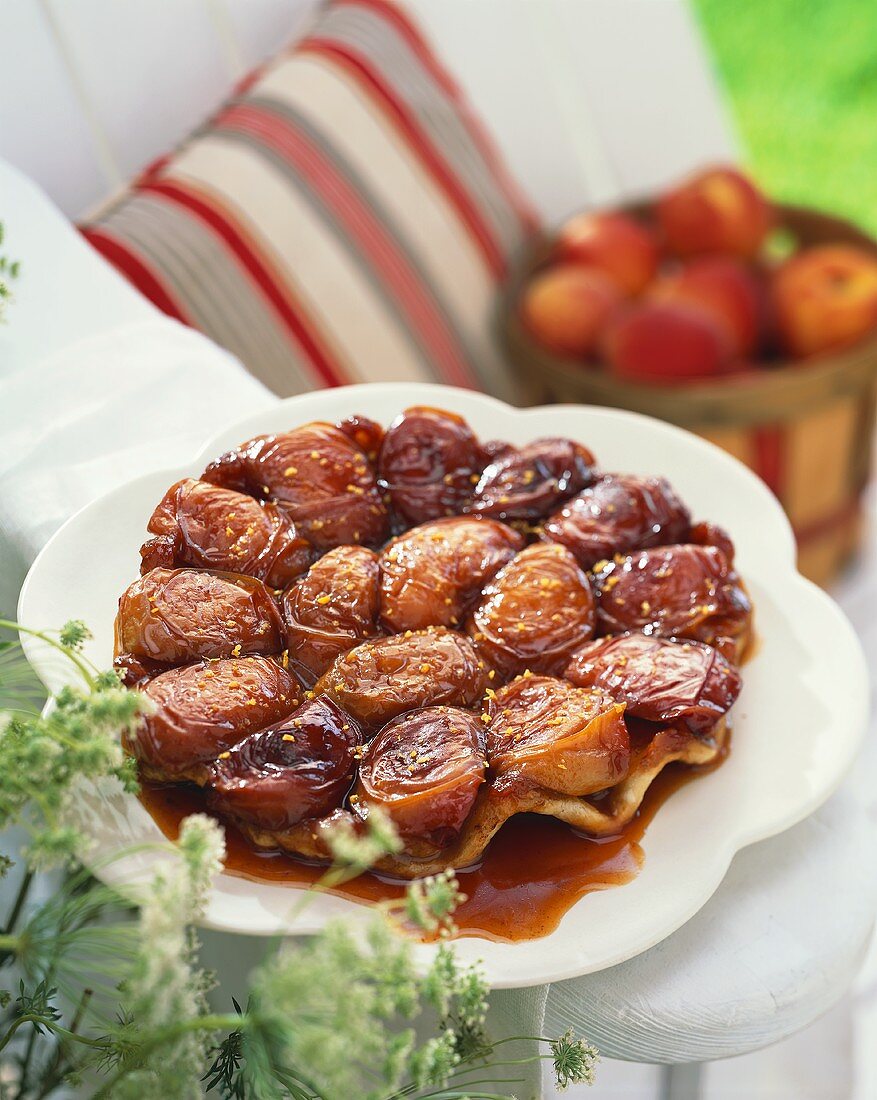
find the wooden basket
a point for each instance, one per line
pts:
(805, 427)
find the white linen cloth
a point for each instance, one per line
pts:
(96, 385)
(108, 408)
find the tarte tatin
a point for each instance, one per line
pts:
(338, 618)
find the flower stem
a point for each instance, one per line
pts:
(25, 1065)
(85, 670)
(20, 898)
(8, 946)
(50, 1025)
(216, 1022)
(61, 1065)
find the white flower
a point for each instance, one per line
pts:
(165, 986)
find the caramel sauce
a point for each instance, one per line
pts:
(534, 870)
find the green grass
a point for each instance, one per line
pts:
(801, 76)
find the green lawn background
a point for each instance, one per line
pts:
(801, 78)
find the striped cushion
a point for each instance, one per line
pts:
(342, 219)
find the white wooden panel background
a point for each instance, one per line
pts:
(43, 129)
(647, 82)
(589, 100)
(124, 52)
(96, 89)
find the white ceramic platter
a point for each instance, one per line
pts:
(797, 724)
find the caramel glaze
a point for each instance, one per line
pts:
(534, 870)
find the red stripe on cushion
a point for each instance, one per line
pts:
(360, 67)
(360, 224)
(136, 270)
(769, 458)
(154, 168)
(291, 312)
(394, 15)
(412, 34)
(247, 81)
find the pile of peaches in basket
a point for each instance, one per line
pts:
(688, 288)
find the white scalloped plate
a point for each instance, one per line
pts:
(797, 725)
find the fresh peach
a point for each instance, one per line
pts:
(825, 297)
(565, 307)
(616, 244)
(666, 342)
(718, 210)
(727, 289)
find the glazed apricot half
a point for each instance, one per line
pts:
(332, 609)
(207, 526)
(424, 770)
(526, 483)
(659, 679)
(617, 514)
(431, 575)
(569, 740)
(429, 464)
(177, 615)
(684, 591)
(534, 613)
(299, 768)
(379, 680)
(202, 709)
(318, 475)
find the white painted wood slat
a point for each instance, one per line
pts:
(43, 129)
(499, 53)
(150, 72)
(261, 27)
(644, 73)
(590, 101)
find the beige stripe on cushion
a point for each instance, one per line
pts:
(372, 35)
(351, 316)
(218, 296)
(431, 342)
(377, 151)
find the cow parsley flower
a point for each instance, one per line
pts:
(45, 758)
(340, 1006)
(165, 986)
(435, 1061)
(430, 903)
(74, 634)
(575, 1061)
(355, 850)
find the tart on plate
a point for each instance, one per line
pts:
(338, 618)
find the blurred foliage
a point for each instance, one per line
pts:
(802, 80)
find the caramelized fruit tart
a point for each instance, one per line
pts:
(338, 618)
